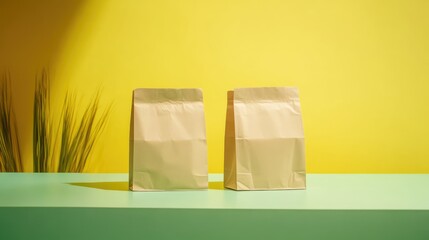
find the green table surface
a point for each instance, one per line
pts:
(324, 191)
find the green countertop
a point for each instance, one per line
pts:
(324, 191)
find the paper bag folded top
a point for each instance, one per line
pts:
(168, 148)
(264, 140)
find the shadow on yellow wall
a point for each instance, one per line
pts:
(31, 37)
(361, 67)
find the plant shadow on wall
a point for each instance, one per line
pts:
(69, 149)
(10, 153)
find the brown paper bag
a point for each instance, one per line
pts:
(168, 148)
(264, 140)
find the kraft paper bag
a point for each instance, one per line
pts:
(264, 140)
(168, 149)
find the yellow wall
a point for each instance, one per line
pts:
(361, 67)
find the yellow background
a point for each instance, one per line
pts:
(362, 68)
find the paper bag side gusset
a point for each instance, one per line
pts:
(269, 139)
(131, 146)
(230, 171)
(170, 149)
